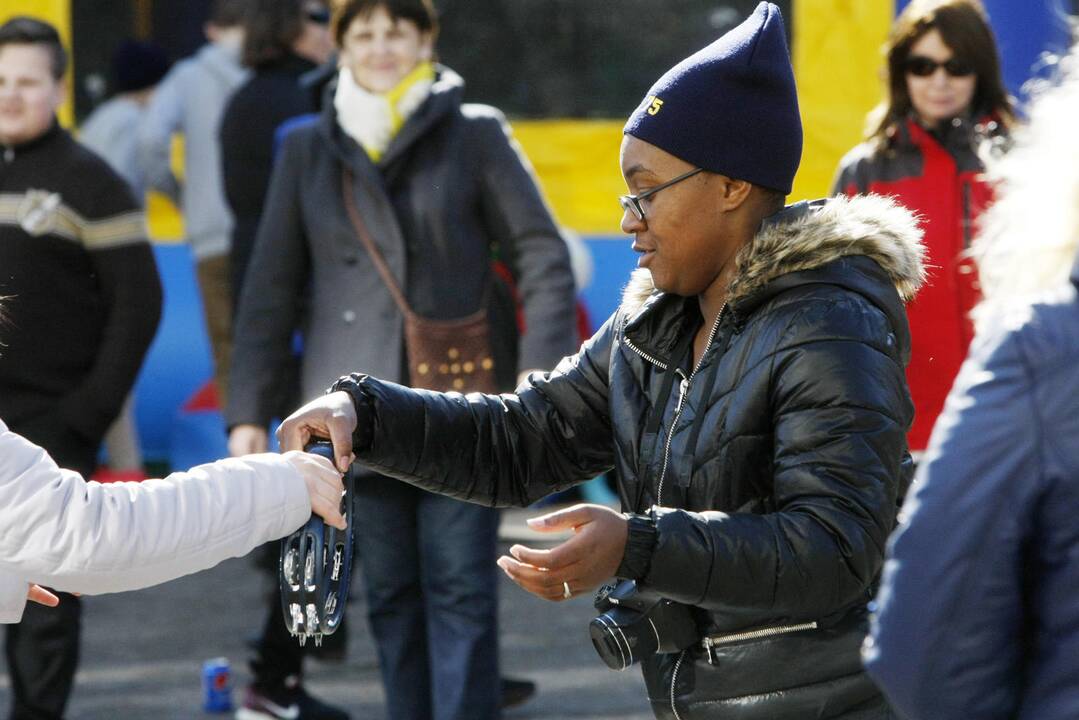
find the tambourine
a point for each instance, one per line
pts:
(316, 568)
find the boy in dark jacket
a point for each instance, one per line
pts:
(749, 394)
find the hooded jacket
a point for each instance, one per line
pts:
(977, 616)
(191, 100)
(938, 176)
(773, 470)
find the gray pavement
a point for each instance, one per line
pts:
(142, 651)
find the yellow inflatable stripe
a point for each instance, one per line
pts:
(837, 61)
(577, 164)
(163, 219)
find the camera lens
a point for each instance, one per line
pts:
(622, 637)
(611, 647)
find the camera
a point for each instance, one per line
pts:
(634, 623)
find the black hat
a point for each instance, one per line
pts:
(138, 65)
(732, 107)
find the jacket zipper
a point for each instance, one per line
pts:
(674, 680)
(717, 640)
(683, 391)
(714, 641)
(643, 354)
(966, 221)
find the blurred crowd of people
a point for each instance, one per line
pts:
(336, 185)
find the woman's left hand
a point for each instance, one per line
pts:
(576, 566)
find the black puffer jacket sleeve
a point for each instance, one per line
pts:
(836, 387)
(498, 450)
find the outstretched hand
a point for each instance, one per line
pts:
(581, 563)
(331, 416)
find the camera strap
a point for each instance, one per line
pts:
(655, 418)
(678, 357)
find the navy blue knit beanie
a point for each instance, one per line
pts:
(730, 108)
(138, 65)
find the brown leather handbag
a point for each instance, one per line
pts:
(442, 354)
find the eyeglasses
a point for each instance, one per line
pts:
(633, 202)
(319, 16)
(921, 66)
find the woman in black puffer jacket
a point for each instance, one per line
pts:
(785, 457)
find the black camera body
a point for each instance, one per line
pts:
(634, 623)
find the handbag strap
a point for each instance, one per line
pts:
(347, 190)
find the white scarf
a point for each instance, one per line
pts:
(373, 119)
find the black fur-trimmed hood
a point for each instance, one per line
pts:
(807, 235)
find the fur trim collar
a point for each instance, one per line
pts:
(819, 233)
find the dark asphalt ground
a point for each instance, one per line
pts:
(143, 651)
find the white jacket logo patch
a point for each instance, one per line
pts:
(37, 213)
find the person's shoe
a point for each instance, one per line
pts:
(286, 704)
(311, 708)
(260, 704)
(515, 692)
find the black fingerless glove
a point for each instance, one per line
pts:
(640, 543)
(353, 385)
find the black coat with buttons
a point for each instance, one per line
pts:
(774, 469)
(450, 194)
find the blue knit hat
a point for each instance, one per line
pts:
(138, 65)
(730, 108)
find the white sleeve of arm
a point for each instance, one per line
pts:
(13, 591)
(61, 531)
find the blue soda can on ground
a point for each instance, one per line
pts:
(216, 686)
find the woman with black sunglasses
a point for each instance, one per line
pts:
(945, 109)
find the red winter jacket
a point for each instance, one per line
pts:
(938, 176)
